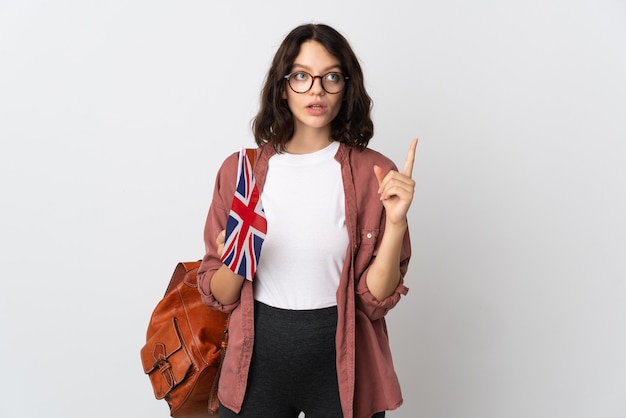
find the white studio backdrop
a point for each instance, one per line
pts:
(114, 117)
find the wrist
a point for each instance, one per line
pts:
(400, 226)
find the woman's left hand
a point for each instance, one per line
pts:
(396, 188)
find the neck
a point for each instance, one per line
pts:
(306, 141)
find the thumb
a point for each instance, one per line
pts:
(221, 237)
(379, 174)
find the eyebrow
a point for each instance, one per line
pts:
(331, 68)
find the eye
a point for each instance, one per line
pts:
(333, 77)
(300, 76)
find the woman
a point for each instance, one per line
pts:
(309, 335)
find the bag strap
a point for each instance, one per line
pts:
(213, 400)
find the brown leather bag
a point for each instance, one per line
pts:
(185, 344)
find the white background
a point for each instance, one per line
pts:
(114, 117)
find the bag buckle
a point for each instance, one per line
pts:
(161, 363)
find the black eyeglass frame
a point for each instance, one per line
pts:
(313, 77)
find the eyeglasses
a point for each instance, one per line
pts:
(301, 81)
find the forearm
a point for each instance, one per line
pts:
(384, 274)
(226, 285)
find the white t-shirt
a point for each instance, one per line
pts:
(306, 241)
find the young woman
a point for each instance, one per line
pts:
(308, 334)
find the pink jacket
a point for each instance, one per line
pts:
(367, 380)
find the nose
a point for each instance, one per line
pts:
(317, 87)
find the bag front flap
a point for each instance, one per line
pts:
(165, 360)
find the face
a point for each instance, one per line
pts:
(315, 109)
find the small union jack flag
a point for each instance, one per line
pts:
(246, 226)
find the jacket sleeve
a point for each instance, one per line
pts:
(371, 221)
(372, 307)
(219, 209)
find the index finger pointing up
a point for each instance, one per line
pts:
(410, 159)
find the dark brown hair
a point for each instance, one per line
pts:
(274, 122)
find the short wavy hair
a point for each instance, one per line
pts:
(274, 123)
